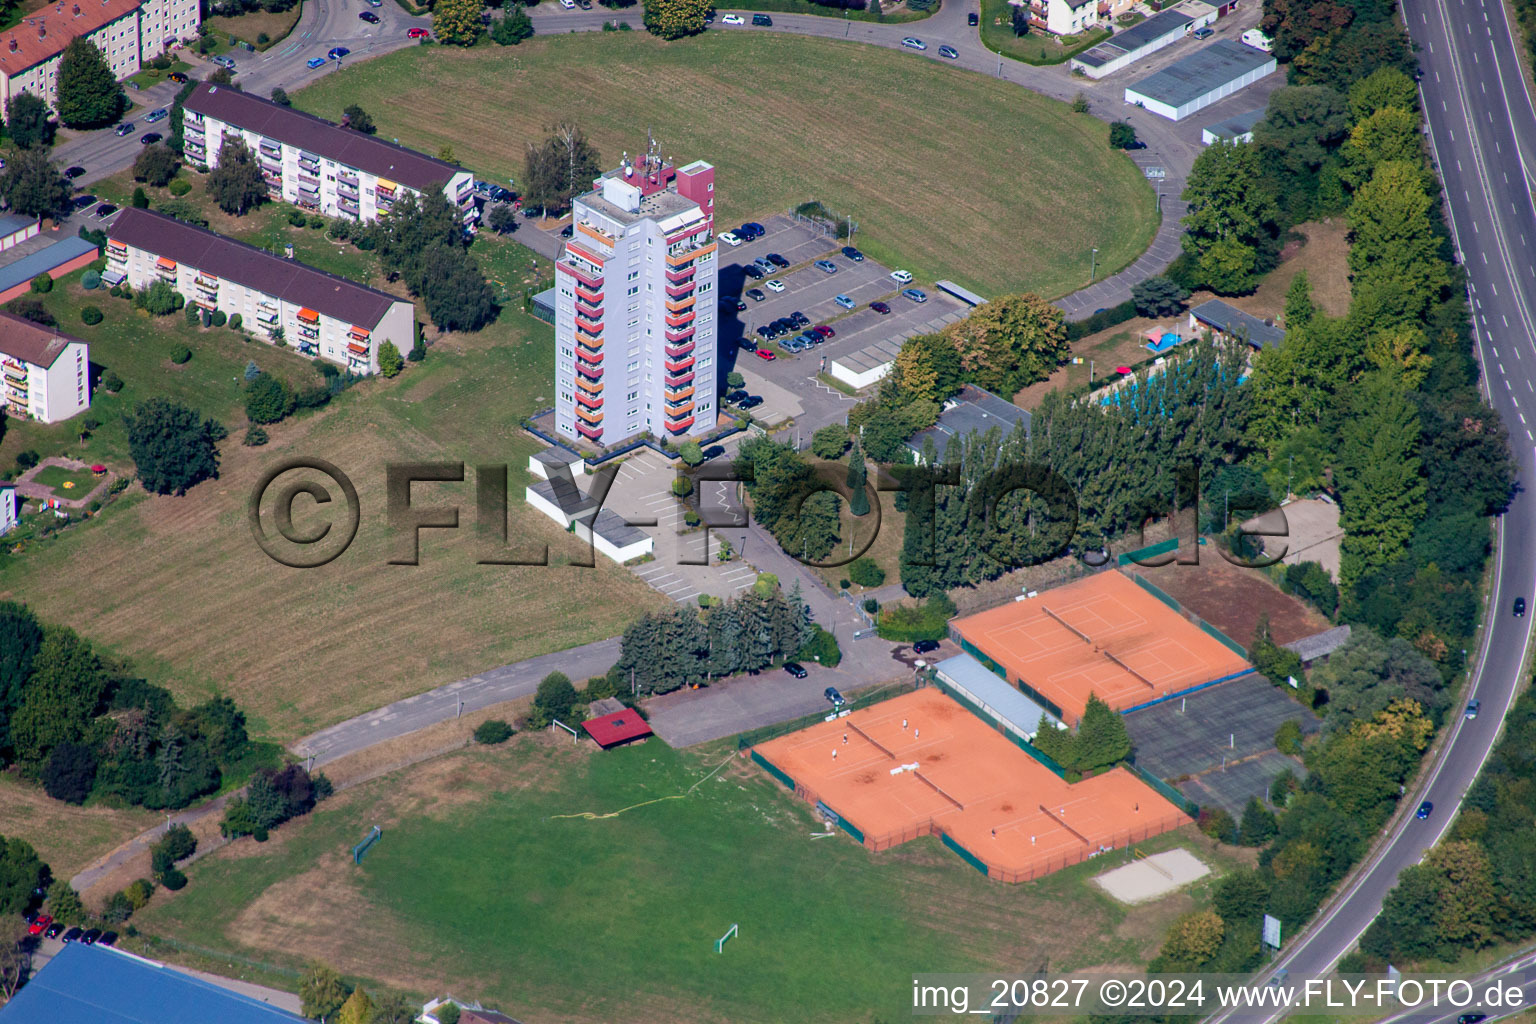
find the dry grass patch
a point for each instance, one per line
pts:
(68, 838)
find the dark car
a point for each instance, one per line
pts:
(748, 344)
(732, 304)
(755, 273)
(799, 319)
(777, 260)
(853, 254)
(54, 929)
(795, 669)
(833, 697)
(1519, 607)
(972, 18)
(107, 939)
(756, 229)
(585, 5)
(337, 52)
(1471, 1018)
(150, 138)
(106, 210)
(369, 17)
(72, 934)
(880, 307)
(73, 172)
(925, 646)
(84, 200)
(90, 937)
(736, 396)
(762, 19)
(756, 294)
(1424, 810)
(714, 451)
(752, 401)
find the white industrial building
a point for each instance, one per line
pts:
(1238, 128)
(1204, 77)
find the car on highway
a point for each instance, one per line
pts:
(925, 647)
(916, 295)
(833, 697)
(733, 19)
(223, 61)
(795, 669)
(126, 128)
(844, 301)
(764, 354)
(1473, 707)
(177, 77)
(775, 285)
(83, 200)
(73, 172)
(315, 62)
(337, 52)
(901, 277)
(105, 210)
(880, 307)
(1472, 1018)
(777, 260)
(150, 138)
(972, 18)
(368, 16)
(852, 254)
(418, 33)
(729, 238)
(826, 265)
(1519, 601)
(39, 924)
(762, 19)
(914, 43)
(158, 114)
(1203, 32)
(1424, 811)
(756, 294)
(949, 53)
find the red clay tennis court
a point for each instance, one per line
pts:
(921, 764)
(1102, 635)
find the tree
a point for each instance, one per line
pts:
(1391, 133)
(456, 22)
(455, 291)
(61, 696)
(64, 902)
(358, 1009)
(1258, 826)
(493, 731)
(397, 1009)
(89, 95)
(15, 956)
(1382, 489)
(674, 19)
(858, 476)
(1193, 940)
(22, 873)
(390, 360)
(280, 97)
(448, 1013)
(356, 118)
(236, 184)
(322, 992)
(1394, 250)
(1020, 22)
(70, 772)
(555, 696)
(33, 186)
(1364, 676)
(1011, 342)
(1301, 126)
(830, 441)
(140, 200)
(1229, 267)
(1102, 740)
(1158, 297)
(28, 121)
(1121, 135)
(172, 448)
(1227, 200)
(690, 453)
(1299, 308)
(513, 27)
(1241, 896)
(156, 165)
(502, 219)
(161, 299)
(563, 166)
(268, 399)
(1384, 87)
(21, 635)
(914, 376)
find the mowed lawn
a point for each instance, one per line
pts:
(487, 884)
(948, 173)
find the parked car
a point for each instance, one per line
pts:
(105, 210)
(736, 396)
(809, 339)
(914, 43)
(107, 939)
(753, 271)
(833, 697)
(1424, 810)
(795, 669)
(844, 301)
(762, 19)
(901, 277)
(729, 238)
(177, 77)
(223, 62)
(748, 344)
(949, 53)
(916, 295)
(567, 231)
(714, 451)
(925, 646)
(39, 924)
(799, 319)
(126, 128)
(338, 52)
(418, 33)
(369, 17)
(585, 5)
(1473, 707)
(733, 19)
(764, 354)
(72, 934)
(880, 307)
(54, 930)
(826, 265)
(753, 229)
(1203, 32)
(150, 138)
(1519, 601)
(90, 937)
(824, 332)
(777, 260)
(73, 172)
(972, 18)
(756, 294)
(733, 304)
(753, 401)
(853, 254)
(317, 62)
(775, 285)
(766, 265)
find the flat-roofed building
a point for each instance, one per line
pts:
(319, 314)
(1204, 77)
(44, 373)
(314, 164)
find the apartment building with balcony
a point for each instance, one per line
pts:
(279, 300)
(128, 32)
(314, 164)
(44, 374)
(636, 306)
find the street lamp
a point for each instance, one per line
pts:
(1093, 264)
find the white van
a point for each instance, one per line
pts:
(1258, 40)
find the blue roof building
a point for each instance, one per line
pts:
(99, 985)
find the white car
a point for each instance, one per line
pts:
(733, 19)
(901, 277)
(569, 5)
(775, 285)
(730, 239)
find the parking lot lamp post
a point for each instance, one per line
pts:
(1093, 264)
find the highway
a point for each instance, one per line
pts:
(1482, 128)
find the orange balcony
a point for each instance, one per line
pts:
(691, 255)
(589, 415)
(678, 396)
(359, 348)
(596, 236)
(309, 316)
(591, 387)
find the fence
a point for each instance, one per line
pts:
(1012, 737)
(1162, 547)
(752, 737)
(1178, 799)
(1155, 591)
(773, 770)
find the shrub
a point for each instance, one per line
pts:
(116, 291)
(92, 315)
(235, 320)
(1218, 824)
(682, 486)
(90, 280)
(180, 187)
(218, 319)
(316, 222)
(255, 437)
(118, 908)
(691, 517)
(139, 893)
(492, 731)
(866, 572)
(262, 39)
(322, 786)
(32, 309)
(871, 605)
(27, 459)
(909, 623)
(1288, 737)
(297, 218)
(42, 283)
(192, 315)
(159, 299)
(845, 583)
(821, 648)
(260, 834)
(112, 382)
(180, 354)
(268, 400)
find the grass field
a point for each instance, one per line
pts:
(1038, 46)
(66, 483)
(1017, 206)
(67, 837)
(252, 25)
(478, 886)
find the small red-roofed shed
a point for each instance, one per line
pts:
(617, 729)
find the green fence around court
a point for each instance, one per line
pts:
(1151, 588)
(1162, 547)
(1178, 799)
(752, 737)
(773, 770)
(1232, 645)
(964, 854)
(848, 826)
(1167, 599)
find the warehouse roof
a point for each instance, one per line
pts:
(32, 342)
(41, 261)
(1134, 38)
(1237, 126)
(99, 985)
(255, 268)
(1225, 318)
(319, 136)
(1201, 72)
(973, 411)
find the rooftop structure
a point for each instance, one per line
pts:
(1238, 128)
(973, 410)
(1225, 319)
(617, 728)
(1200, 79)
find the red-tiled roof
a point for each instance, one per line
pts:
(31, 342)
(46, 33)
(619, 727)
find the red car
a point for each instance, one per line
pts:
(763, 353)
(880, 307)
(824, 331)
(39, 924)
(418, 33)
